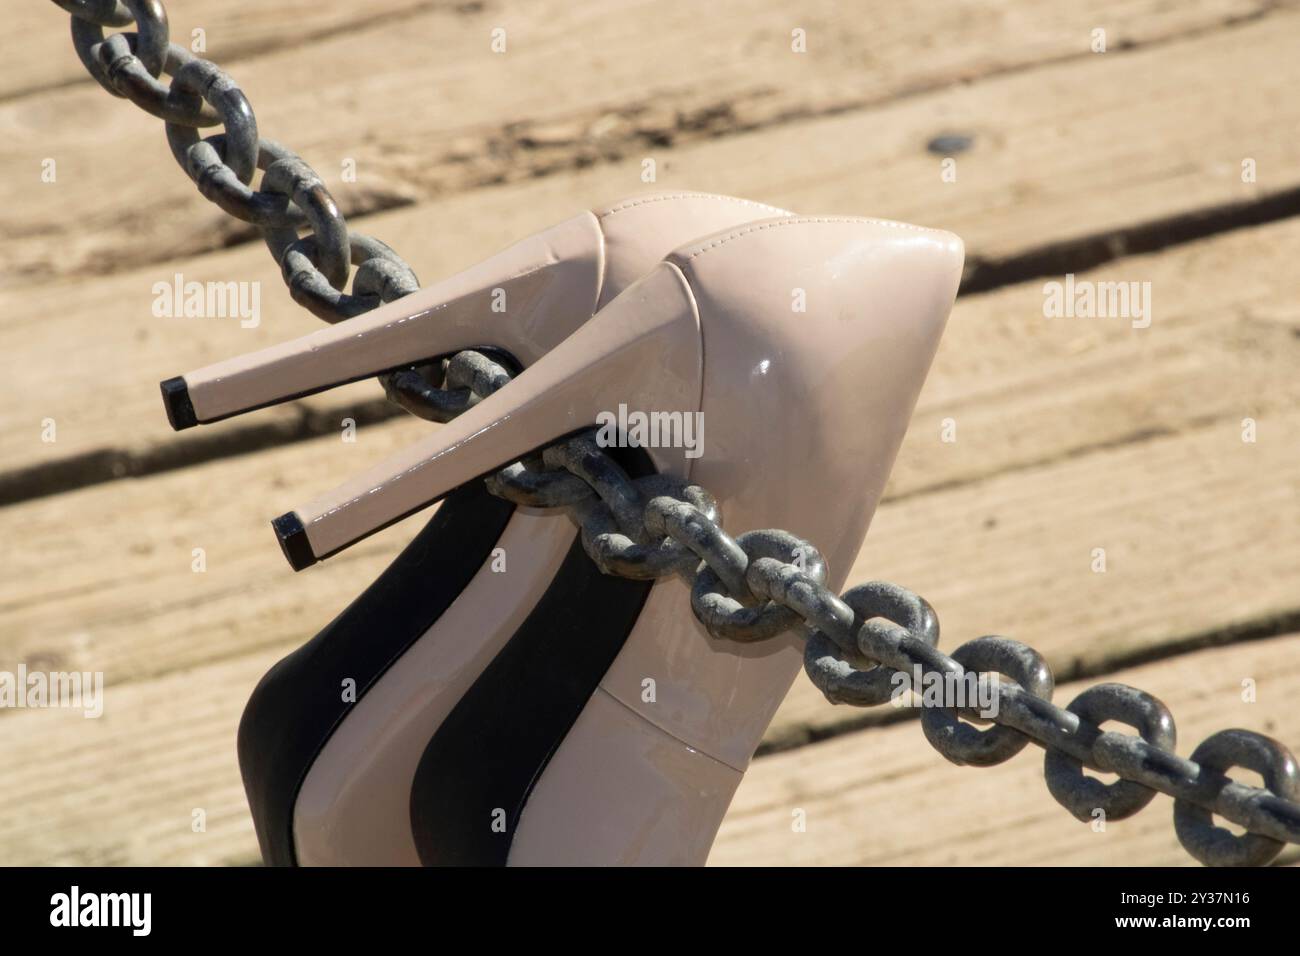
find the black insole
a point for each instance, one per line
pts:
(482, 763)
(300, 702)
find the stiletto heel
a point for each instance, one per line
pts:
(523, 301)
(329, 780)
(643, 352)
(816, 335)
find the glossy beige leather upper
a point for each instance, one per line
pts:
(621, 792)
(804, 412)
(804, 415)
(639, 232)
(526, 299)
(352, 808)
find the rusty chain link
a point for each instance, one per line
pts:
(750, 588)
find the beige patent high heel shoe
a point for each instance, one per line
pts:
(804, 412)
(524, 301)
(329, 780)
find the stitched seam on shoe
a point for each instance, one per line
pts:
(665, 731)
(797, 221)
(649, 199)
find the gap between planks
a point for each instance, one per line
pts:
(1010, 201)
(536, 110)
(1040, 406)
(883, 797)
(130, 781)
(1184, 520)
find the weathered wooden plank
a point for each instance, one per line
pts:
(997, 36)
(576, 87)
(165, 747)
(882, 797)
(233, 31)
(1183, 520)
(998, 352)
(124, 788)
(1200, 535)
(104, 329)
(185, 719)
(113, 585)
(1022, 390)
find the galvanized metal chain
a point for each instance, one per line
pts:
(749, 588)
(290, 197)
(763, 583)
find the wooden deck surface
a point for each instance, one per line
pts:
(1072, 434)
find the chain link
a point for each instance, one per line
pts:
(763, 583)
(749, 588)
(290, 198)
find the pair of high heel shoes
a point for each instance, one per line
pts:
(546, 713)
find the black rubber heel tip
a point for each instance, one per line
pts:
(293, 541)
(176, 399)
